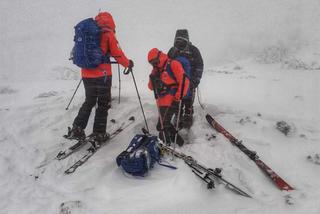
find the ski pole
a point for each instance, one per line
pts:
(74, 94)
(126, 71)
(115, 62)
(179, 112)
(119, 83)
(159, 112)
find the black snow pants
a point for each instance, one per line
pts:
(98, 91)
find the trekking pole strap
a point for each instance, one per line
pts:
(199, 101)
(166, 165)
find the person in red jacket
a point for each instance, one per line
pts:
(170, 85)
(97, 84)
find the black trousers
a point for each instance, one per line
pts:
(98, 91)
(167, 127)
(187, 104)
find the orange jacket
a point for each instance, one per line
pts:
(108, 44)
(178, 72)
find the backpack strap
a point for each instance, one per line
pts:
(169, 70)
(166, 165)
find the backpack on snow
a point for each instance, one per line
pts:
(186, 67)
(86, 52)
(141, 155)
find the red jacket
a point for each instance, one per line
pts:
(108, 44)
(178, 72)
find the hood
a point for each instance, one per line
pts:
(156, 55)
(182, 34)
(105, 21)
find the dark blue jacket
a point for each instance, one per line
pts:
(192, 53)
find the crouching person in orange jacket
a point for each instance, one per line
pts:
(170, 85)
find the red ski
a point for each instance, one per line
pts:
(281, 184)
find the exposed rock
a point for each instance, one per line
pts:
(284, 127)
(314, 158)
(71, 207)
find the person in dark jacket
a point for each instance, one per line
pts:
(183, 47)
(168, 91)
(97, 84)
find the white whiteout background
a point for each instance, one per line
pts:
(262, 65)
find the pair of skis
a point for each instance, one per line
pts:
(277, 180)
(208, 175)
(92, 149)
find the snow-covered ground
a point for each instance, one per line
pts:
(262, 66)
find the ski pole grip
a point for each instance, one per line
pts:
(127, 71)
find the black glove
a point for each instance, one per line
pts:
(129, 69)
(131, 64)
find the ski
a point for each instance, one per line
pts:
(278, 181)
(75, 147)
(206, 174)
(94, 148)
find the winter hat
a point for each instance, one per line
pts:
(156, 58)
(181, 40)
(153, 54)
(182, 34)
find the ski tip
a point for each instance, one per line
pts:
(285, 187)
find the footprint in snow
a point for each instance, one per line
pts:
(47, 94)
(286, 128)
(245, 120)
(314, 158)
(7, 90)
(71, 207)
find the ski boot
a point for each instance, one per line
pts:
(75, 133)
(97, 138)
(170, 137)
(179, 141)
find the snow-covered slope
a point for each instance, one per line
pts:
(277, 79)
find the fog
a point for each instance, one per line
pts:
(37, 36)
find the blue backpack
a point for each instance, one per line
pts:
(86, 52)
(186, 67)
(141, 155)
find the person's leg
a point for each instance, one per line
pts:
(187, 118)
(81, 120)
(104, 104)
(169, 130)
(162, 123)
(91, 98)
